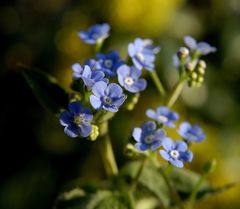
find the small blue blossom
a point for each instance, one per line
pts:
(176, 152)
(202, 47)
(109, 62)
(77, 121)
(93, 64)
(89, 77)
(191, 132)
(128, 77)
(143, 53)
(148, 137)
(95, 34)
(163, 116)
(107, 97)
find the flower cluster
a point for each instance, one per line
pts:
(149, 137)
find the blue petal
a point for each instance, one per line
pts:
(99, 88)
(137, 132)
(131, 50)
(148, 127)
(138, 86)
(181, 146)
(141, 146)
(164, 155)
(71, 131)
(110, 108)
(119, 101)
(65, 118)
(137, 64)
(168, 144)
(176, 163)
(205, 48)
(97, 75)
(155, 145)
(190, 42)
(86, 129)
(184, 127)
(170, 124)
(159, 134)
(114, 90)
(75, 107)
(162, 110)
(95, 102)
(87, 114)
(151, 114)
(186, 156)
(135, 72)
(87, 72)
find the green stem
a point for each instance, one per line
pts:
(177, 90)
(193, 194)
(138, 174)
(98, 46)
(157, 82)
(172, 189)
(106, 151)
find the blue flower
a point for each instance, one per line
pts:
(107, 97)
(89, 77)
(109, 62)
(148, 137)
(163, 116)
(95, 34)
(143, 53)
(191, 132)
(176, 152)
(77, 121)
(202, 47)
(93, 64)
(128, 77)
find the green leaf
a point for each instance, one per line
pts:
(46, 89)
(103, 199)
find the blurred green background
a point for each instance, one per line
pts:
(37, 158)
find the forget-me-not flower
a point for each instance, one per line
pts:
(202, 48)
(147, 137)
(191, 132)
(176, 152)
(109, 62)
(93, 64)
(163, 115)
(76, 120)
(143, 53)
(95, 34)
(89, 77)
(108, 97)
(128, 77)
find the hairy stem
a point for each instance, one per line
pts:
(106, 151)
(157, 82)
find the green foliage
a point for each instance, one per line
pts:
(46, 89)
(103, 199)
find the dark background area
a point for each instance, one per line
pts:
(37, 159)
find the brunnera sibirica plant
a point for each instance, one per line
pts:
(103, 85)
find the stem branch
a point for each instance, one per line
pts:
(157, 82)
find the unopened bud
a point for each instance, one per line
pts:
(200, 79)
(194, 75)
(201, 70)
(192, 83)
(94, 133)
(189, 67)
(183, 52)
(202, 64)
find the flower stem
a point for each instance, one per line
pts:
(98, 46)
(171, 189)
(138, 174)
(106, 151)
(177, 90)
(157, 82)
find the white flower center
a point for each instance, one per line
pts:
(162, 119)
(140, 56)
(108, 63)
(129, 81)
(78, 119)
(174, 154)
(148, 139)
(107, 100)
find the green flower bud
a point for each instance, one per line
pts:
(202, 64)
(192, 83)
(200, 79)
(95, 132)
(182, 53)
(194, 76)
(201, 70)
(189, 67)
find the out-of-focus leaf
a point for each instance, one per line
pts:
(103, 199)
(46, 89)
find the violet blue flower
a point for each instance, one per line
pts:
(143, 53)
(191, 132)
(77, 121)
(147, 137)
(109, 62)
(128, 77)
(176, 152)
(107, 97)
(95, 34)
(202, 48)
(163, 115)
